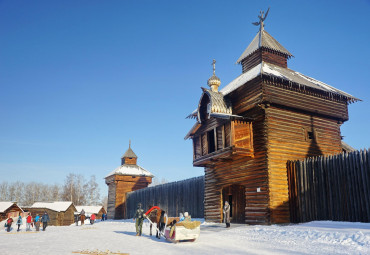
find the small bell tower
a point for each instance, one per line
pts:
(125, 178)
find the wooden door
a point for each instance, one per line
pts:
(235, 195)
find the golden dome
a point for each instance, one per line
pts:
(214, 82)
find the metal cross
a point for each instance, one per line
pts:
(214, 66)
(262, 18)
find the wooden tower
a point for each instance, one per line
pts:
(246, 132)
(125, 178)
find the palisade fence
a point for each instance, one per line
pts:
(174, 197)
(330, 188)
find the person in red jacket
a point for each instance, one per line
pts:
(28, 222)
(92, 219)
(9, 222)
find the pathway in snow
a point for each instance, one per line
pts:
(119, 236)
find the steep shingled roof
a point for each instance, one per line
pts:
(129, 154)
(263, 40)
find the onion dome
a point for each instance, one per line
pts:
(214, 82)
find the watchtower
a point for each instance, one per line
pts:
(245, 133)
(125, 178)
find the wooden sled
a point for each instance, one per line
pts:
(183, 231)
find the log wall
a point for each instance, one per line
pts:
(248, 172)
(175, 197)
(294, 135)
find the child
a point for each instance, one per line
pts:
(19, 222)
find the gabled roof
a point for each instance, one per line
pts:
(55, 206)
(6, 205)
(263, 40)
(129, 154)
(285, 74)
(132, 170)
(89, 209)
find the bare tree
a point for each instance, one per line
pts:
(75, 189)
(93, 193)
(4, 191)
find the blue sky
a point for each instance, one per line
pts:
(78, 79)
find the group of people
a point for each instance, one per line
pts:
(140, 215)
(82, 217)
(30, 222)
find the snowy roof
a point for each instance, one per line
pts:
(89, 209)
(265, 40)
(5, 206)
(284, 74)
(129, 154)
(130, 170)
(55, 206)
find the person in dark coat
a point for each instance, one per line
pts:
(19, 222)
(102, 217)
(45, 219)
(82, 216)
(161, 225)
(77, 218)
(227, 214)
(139, 216)
(9, 222)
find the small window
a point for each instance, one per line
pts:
(310, 135)
(211, 141)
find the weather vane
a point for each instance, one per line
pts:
(262, 18)
(214, 66)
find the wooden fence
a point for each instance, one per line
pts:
(330, 188)
(175, 197)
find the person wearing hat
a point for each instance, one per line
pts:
(227, 214)
(139, 216)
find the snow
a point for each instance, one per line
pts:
(4, 206)
(242, 79)
(55, 206)
(89, 209)
(319, 237)
(130, 170)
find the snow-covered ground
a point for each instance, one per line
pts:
(324, 237)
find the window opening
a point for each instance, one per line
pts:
(211, 141)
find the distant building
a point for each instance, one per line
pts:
(60, 213)
(9, 209)
(89, 209)
(125, 178)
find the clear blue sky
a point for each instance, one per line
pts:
(78, 79)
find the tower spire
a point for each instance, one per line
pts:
(214, 82)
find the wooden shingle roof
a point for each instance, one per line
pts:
(263, 40)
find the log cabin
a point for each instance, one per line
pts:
(125, 178)
(246, 132)
(60, 213)
(9, 209)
